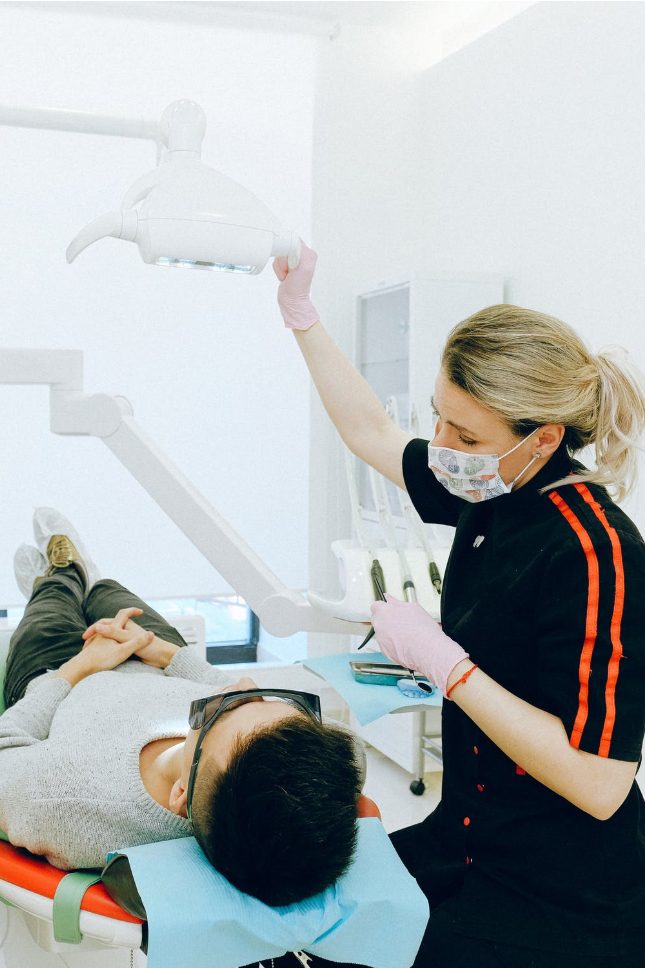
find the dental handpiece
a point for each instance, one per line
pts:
(435, 577)
(378, 581)
(424, 686)
(409, 591)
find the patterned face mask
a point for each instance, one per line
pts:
(473, 477)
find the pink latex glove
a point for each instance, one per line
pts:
(293, 292)
(411, 637)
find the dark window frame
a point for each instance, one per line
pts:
(236, 650)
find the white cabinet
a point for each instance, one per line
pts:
(401, 327)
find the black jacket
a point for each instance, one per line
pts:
(550, 604)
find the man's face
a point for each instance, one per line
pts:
(232, 725)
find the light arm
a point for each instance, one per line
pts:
(281, 610)
(80, 121)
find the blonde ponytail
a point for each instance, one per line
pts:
(533, 369)
(621, 418)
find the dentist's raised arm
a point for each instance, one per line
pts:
(352, 405)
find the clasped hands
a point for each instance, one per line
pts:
(111, 641)
(120, 636)
(408, 635)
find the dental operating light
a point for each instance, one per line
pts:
(185, 214)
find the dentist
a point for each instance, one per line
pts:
(535, 856)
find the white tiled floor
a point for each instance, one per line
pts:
(389, 786)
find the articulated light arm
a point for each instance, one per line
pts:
(281, 610)
(229, 229)
(79, 121)
(61, 369)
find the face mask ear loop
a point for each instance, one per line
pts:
(530, 463)
(537, 456)
(519, 444)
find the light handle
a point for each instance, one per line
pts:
(118, 225)
(288, 244)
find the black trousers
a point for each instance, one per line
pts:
(442, 947)
(55, 618)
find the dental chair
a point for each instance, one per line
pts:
(34, 909)
(49, 918)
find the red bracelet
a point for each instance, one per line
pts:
(463, 679)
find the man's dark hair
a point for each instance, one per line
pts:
(280, 821)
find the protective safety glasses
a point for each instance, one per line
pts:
(205, 712)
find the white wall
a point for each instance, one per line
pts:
(202, 357)
(535, 137)
(478, 164)
(519, 155)
(365, 200)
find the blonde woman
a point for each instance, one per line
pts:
(535, 856)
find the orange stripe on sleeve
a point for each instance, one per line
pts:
(591, 624)
(616, 620)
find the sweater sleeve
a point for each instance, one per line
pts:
(186, 665)
(28, 722)
(23, 727)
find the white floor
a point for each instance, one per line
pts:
(389, 786)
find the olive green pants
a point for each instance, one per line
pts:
(55, 618)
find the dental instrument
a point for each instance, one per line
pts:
(380, 592)
(412, 689)
(376, 571)
(378, 580)
(410, 515)
(382, 505)
(362, 570)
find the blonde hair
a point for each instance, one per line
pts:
(532, 369)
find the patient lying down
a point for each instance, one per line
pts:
(96, 752)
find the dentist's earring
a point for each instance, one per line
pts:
(537, 454)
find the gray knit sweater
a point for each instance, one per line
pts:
(70, 786)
